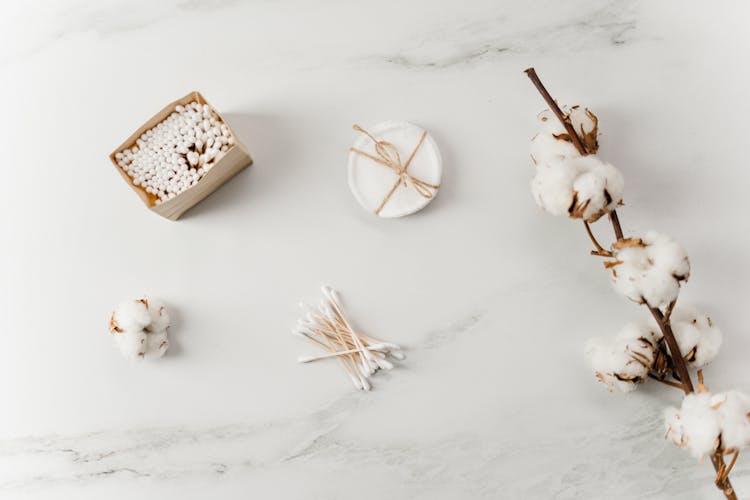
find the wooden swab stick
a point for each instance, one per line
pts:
(307, 359)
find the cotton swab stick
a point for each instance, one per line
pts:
(307, 359)
(330, 294)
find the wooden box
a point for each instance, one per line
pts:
(233, 161)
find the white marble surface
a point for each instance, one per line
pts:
(492, 298)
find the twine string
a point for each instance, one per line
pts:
(387, 155)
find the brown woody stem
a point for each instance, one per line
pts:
(722, 476)
(577, 142)
(662, 319)
(666, 382)
(531, 73)
(616, 225)
(674, 349)
(600, 251)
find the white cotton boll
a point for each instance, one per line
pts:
(695, 426)
(673, 425)
(159, 316)
(624, 361)
(649, 269)
(140, 328)
(546, 148)
(582, 119)
(130, 315)
(582, 187)
(733, 408)
(552, 187)
(699, 340)
(132, 343)
(157, 343)
(584, 122)
(705, 421)
(600, 189)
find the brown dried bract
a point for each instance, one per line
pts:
(590, 139)
(576, 209)
(628, 243)
(612, 263)
(563, 137)
(113, 326)
(690, 356)
(662, 365)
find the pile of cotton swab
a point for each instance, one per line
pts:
(178, 152)
(359, 354)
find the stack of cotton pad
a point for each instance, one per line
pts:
(370, 181)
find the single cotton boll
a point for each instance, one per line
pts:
(599, 188)
(649, 269)
(695, 426)
(732, 408)
(140, 328)
(584, 122)
(130, 315)
(706, 421)
(586, 125)
(582, 187)
(699, 340)
(582, 119)
(623, 362)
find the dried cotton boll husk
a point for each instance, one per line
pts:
(624, 361)
(582, 187)
(586, 125)
(697, 337)
(695, 425)
(650, 269)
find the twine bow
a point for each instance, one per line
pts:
(388, 155)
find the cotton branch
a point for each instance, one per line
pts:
(662, 318)
(571, 131)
